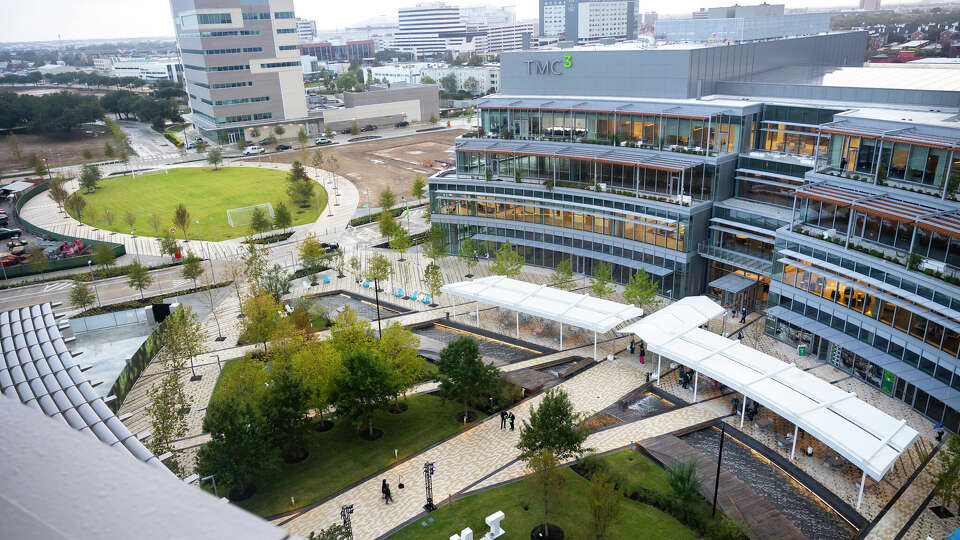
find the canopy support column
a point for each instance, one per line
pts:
(696, 377)
(793, 449)
(595, 346)
(863, 478)
(518, 324)
(658, 368)
(561, 336)
(478, 314)
(743, 410)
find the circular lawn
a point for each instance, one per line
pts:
(206, 193)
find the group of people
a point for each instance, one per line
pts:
(684, 377)
(642, 353)
(506, 417)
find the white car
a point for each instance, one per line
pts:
(322, 140)
(251, 150)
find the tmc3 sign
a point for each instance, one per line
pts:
(549, 67)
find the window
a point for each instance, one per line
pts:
(283, 15)
(278, 64)
(222, 33)
(286, 30)
(256, 16)
(289, 47)
(205, 18)
(218, 68)
(241, 100)
(223, 51)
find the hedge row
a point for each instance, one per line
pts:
(173, 138)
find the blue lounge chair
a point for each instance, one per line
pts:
(366, 284)
(426, 299)
(399, 293)
(414, 296)
(326, 279)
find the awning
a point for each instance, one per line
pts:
(17, 187)
(732, 283)
(600, 153)
(580, 310)
(866, 436)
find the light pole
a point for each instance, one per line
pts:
(428, 471)
(716, 483)
(95, 293)
(405, 211)
(198, 229)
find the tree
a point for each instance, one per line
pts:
(297, 172)
(58, 191)
(506, 261)
(13, 143)
(433, 279)
(426, 79)
(337, 260)
(386, 223)
(435, 248)
(202, 146)
(387, 199)
(355, 268)
(239, 450)
(600, 283)
(40, 167)
(181, 218)
(107, 150)
(262, 317)
(168, 244)
(449, 83)
(468, 253)
(192, 267)
(281, 217)
(604, 501)
(275, 281)
(130, 219)
(279, 130)
(947, 478)
(155, 224)
(103, 255)
(317, 364)
(311, 252)
(108, 217)
(302, 138)
(337, 531)
(471, 85)
(378, 268)
(462, 373)
(545, 483)
(563, 275)
(682, 477)
(317, 159)
(138, 277)
(400, 348)
(433, 118)
(475, 60)
(87, 154)
(354, 128)
(81, 296)
(400, 242)
(351, 333)
(38, 259)
(168, 421)
(215, 157)
(640, 289)
(284, 409)
(552, 426)
(255, 259)
(259, 222)
(416, 191)
(75, 205)
(364, 386)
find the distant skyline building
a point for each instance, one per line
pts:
(306, 30)
(477, 16)
(429, 29)
(738, 23)
(241, 63)
(870, 5)
(587, 20)
(507, 37)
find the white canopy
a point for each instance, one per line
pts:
(580, 310)
(867, 437)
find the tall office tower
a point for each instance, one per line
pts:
(476, 16)
(586, 20)
(306, 30)
(429, 29)
(241, 63)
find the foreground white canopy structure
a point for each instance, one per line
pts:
(565, 307)
(867, 437)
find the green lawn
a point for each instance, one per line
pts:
(203, 191)
(636, 520)
(339, 457)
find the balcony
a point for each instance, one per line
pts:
(611, 141)
(752, 263)
(868, 178)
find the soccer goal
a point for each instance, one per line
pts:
(240, 217)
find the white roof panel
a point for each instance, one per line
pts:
(866, 436)
(579, 310)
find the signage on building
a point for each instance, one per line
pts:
(549, 67)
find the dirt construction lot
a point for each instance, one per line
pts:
(59, 149)
(383, 163)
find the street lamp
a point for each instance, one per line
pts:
(428, 471)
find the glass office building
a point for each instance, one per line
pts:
(837, 217)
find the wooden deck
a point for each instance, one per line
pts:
(738, 500)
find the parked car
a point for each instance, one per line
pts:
(7, 260)
(190, 145)
(401, 124)
(251, 150)
(10, 233)
(264, 142)
(321, 141)
(345, 131)
(369, 127)
(282, 147)
(16, 243)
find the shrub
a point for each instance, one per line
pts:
(173, 138)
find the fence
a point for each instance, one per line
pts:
(135, 366)
(59, 264)
(108, 320)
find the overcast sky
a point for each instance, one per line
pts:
(43, 20)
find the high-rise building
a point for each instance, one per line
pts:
(241, 63)
(429, 30)
(507, 37)
(476, 16)
(742, 23)
(870, 5)
(306, 30)
(780, 176)
(351, 51)
(586, 20)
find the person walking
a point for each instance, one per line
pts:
(503, 419)
(641, 356)
(512, 419)
(743, 315)
(740, 335)
(385, 489)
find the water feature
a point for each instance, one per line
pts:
(501, 352)
(648, 404)
(364, 308)
(794, 501)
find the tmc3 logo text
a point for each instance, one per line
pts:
(549, 67)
